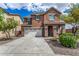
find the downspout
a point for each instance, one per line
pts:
(43, 31)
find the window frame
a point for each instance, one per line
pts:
(29, 21)
(37, 17)
(53, 16)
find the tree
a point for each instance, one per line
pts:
(72, 17)
(1, 14)
(1, 19)
(8, 26)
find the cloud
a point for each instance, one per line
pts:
(35, 6)
(16, 5)
(3, 6)
(59, 6)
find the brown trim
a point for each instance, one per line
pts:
(60, 23)
(13, 14)
(25, 25)
(38, 14)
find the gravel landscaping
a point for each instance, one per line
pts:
(59, 49)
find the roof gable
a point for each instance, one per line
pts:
(52, 8)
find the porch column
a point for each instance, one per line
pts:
(55, 32)
(64, 29)
(60, 30)
(46, 31)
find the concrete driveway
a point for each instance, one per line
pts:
(29, 45)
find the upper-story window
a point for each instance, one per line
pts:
(29, 21)
(51, 17)
(37, 17)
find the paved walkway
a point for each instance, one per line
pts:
(29, 45)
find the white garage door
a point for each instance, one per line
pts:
(31, 29)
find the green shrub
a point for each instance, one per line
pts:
(77, 36)
(68, 40)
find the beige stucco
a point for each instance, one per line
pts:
(17, 18)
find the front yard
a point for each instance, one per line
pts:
(24, 44)
(59, 49)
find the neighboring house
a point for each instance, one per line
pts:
(8, 16)
(69, 27)
(49, 22)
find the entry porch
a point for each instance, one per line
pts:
(53, 30)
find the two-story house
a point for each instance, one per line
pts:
(49, 22)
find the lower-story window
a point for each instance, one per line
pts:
(56, 28)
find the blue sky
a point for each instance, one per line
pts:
(21, 12)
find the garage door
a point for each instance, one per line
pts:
(31, 29)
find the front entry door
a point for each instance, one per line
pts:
(50, 30)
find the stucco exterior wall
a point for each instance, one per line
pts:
(17, 18)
